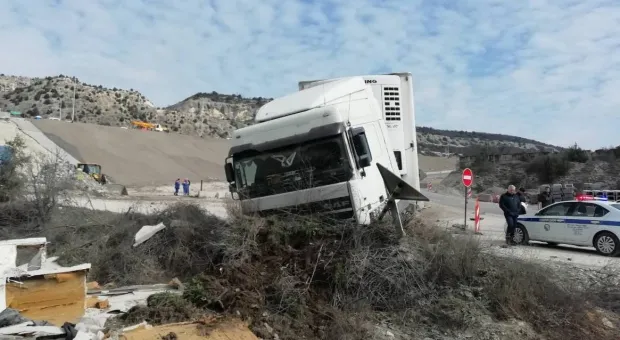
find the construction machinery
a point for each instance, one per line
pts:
(94, 171)
(149, 126)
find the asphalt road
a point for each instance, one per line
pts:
(448, 209)
(459, 202)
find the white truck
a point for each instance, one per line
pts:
(336, 147)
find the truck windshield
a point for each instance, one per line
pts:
(295, 167)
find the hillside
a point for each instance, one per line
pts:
(138, 158)
(203, 114)
(436, 141)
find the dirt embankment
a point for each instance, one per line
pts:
(433, 163)
(138, 158)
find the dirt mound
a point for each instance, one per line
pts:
(138, 158)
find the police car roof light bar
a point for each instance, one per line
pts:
(590, 198)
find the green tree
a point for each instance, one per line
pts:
(576, 154)
(549, 168)
(11, 179)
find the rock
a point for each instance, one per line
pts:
(607, 323)
(176, 283)
(269, 328)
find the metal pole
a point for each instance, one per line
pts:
(73, 105)
(200, 185)
(465, 219)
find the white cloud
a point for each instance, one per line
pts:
(548, 70)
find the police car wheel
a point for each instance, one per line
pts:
(520, 236)
(607, 244)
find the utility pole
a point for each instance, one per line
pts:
(73, 105)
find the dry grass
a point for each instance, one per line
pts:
(326, 280)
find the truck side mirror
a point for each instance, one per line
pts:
(230, 173)
(360, 144)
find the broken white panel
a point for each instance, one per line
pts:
(146, 232)
(28, 328)
(8, 256)
(37, 261)
(22, 242)
(59, 270)
(2, 294)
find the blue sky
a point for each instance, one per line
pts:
(548, 70)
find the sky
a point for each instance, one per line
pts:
(547, 70)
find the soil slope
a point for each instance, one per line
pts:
(138, 158)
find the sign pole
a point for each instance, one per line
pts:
(467, 177)
(465, 219)
(477, 218)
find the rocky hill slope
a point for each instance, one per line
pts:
(203, 114)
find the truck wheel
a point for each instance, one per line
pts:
(521, 236)
(606, 244)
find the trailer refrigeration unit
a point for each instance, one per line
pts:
(325, 150)
(394, 93)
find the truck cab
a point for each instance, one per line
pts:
(394, 95)
(324, 149)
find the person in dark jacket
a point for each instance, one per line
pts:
(510, 204)
(177, 186)
(545, 198)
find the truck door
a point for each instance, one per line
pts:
(371, 189)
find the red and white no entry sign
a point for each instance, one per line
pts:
(468, 177)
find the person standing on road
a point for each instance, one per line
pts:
(510, 204)
(188, 184)
(185, 187)
(545, 198)
(177, 186)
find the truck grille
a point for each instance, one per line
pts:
(337, 208)
(391, 103)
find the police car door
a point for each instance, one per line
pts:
(583, 222)
(549, 223)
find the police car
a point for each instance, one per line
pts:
(586, 221)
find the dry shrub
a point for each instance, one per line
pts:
(161, 308)
(17, 218)
(186, 247)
